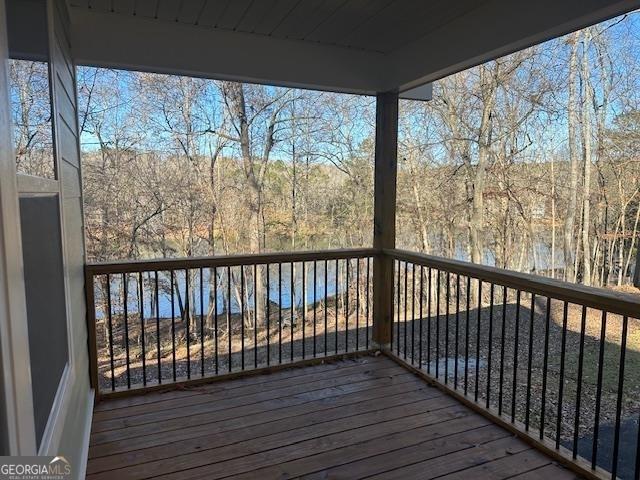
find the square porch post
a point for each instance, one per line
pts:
(384, 219)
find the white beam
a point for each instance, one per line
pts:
(137, 43)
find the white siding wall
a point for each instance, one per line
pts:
(67, 136)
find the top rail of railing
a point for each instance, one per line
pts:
(609, 300)
(166, 264)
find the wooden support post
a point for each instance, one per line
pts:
(384, 220)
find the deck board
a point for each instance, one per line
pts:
(365, 417)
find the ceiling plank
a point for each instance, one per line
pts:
(306, 17)
(212, 12)
(273, 17)
(146, 8)
(233, 14)
(190, 11)
(352, 14)
(168, 10)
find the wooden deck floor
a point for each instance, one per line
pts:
(362, 418)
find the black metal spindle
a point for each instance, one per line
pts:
(142, 338)
(125, 301)
(420, 327)
(304, 308)
(446, 331)
(201, 323)
(429, 285)
(413, 313)
(455, 373)
(596, 423)
(514, 386)
(229, 328)
(490, 345)
(398, 308)
(215, 316)
(255, 316)
(293, 307)
(326, 307)
(576, 425)
(438, 275)
(502, 348)
(545, 368)
(336, 302)
(616, 437)
(279, 312)
(532, 314)
(367, 308)
(315, 305)
(404, 325)
(173, 325)
(158, 350)
(268, 314)
(478, 328)
(357, 303)
(466, 338)
(346, 309)
(187, 320)
(242, 316)
(563, 347)
(110, 333)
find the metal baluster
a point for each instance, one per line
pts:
(293, 306)
(478, 328)
(142, 339)
(186, 319)
(279, 312)
(125, 287)
(502, 336)
(315, 305)
(159, 359)
(229, 329)
(446, 334)
(404, 325)
(255, 316)
(420, 313)
(490, 345)
(576, 426)
(357, 303)
(455, 374)
(466, 338)
(545, 367)
(268, 313)
(438, 323)
(413, 313)
(336, 302)
(304, 310)
(367, 309)
(201, 323)
(616, 438)
(215, 315)
(346, 313)
(561, 380)
(429, 320)
(173, 325)
(532, 314)
(242, 313)
(596, 423)
(110, 320)
(326, 307)
(515, 358)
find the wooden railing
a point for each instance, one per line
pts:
(557, 363)
(159, 322)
